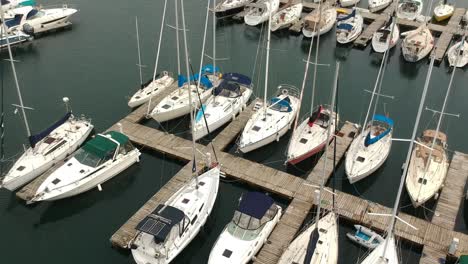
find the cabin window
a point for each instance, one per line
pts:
(69, 164)
(21, 168)
(199, 210)
(360, 159)
(423, 181)
(323, 230)
(175, 98)
(201, 183)
(55, 181)
(227, 253)
(194, 219)
(166, 106)
(303, 140)
(320, 242)
(185, 201)
(256, 128)
(49, 140)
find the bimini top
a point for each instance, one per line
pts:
(347, 17)
(238, 78)
(255, 204)
(33, 139)
(228, 89)
(282, 105)
(102, 146)
(159, 223)
(386, 120)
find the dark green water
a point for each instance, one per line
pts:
(94, 65)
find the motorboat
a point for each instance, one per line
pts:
(348, 3)
(171, 226)
(177, 105)
(99, 160)
(271, 121)
(348, 27)
(248, 230)
(151, 89)
(383, 39)
(319, 22)
(14, 38)
(377, 5)
(229, 7)
(311, 136)
(369, 149)
(12, 4)
(365, 237)
(315, 245)
(381, 254)
(286, 17)
(443, 11)
(409, 9)
(47, 148)
(428, 168)
(260, 11)
(34, 20)
(417, 44)
(460, 50)
(228, 100)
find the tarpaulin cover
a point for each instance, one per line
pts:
(181, 80)
(347, 27)
(255, 204)
(210, 69)
(38, 137)
(282, 103)
(238, 78)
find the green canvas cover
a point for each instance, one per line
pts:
(463, 259)
(101, 146)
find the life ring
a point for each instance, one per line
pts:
(285, 92)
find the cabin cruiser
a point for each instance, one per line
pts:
(409, 9)
(286, 17)
(260, 11)
(98, 161)
(248, 230)
(417, 44)
(348, 27)
(151, 89)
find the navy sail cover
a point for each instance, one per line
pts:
(159, 224)
(38, 137)
(255, 204)
(238, 78)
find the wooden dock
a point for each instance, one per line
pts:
(377, 23)
(448, 204)
(447, 35)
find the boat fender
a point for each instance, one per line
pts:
(277, 137)
(436, 196)
(99, 187)
(28, 29)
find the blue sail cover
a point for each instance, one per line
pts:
(348, 16)
(238, 78)
(346, 26)
(200, 113)
(181, 80)
(38, 137)
(209, 69)
(255, 204)
(282, 103)
(371, 140)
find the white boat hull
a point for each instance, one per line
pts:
(417, 44)
(442, 12)
(377, 5)
(410, 15)
(391, 254)
(151, 90)
(344, 37)
(454, 52)
(330, 21)
(254, 17)
(286, 17)
(379, 46)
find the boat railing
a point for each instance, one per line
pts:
(287, 89)
(64, 6)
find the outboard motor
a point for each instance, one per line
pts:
(28, 29)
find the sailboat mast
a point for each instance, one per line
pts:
(192, 124)
(267, 61)
(10, 54)
(139, 51)
(214, 36)
(408, 155)
(316, 57)
(177, 36)
(159, 49)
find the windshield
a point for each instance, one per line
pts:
(89, 159)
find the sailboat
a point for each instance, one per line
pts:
(248, 230)
(165, 232)
(417, 43)
(457, 54)
(159, 82)
(319, 21)
(348, 27)
(377, 5)
(318, 243)
(371, 147)
(260, 11)
(98, 161)
(384, 38)
(311, 136)
(229, 7)
(47, 147)
(347, 3)
(286, 16)
(274, 118)
(409, 9)
(443, 11)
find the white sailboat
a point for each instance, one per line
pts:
(159, 82)
(274, 118)
(48, 147)
(12, 4)
(457, 54)
(285, 17)
(318, 243)
(260, 11)
(385, 252)
(443, 11)
(173, 225)
(377, 5)
(319, 21)
(409, 9)
(417, 44)
(98, 161)
(348, 3)
(248, 230)
(349, 27)
(384, 38)
(228, 7)
(365, 237)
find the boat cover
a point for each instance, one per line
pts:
(102, 147)
(345, 26)
(204, 80)
(238, 78)
(285, 104)
(33, 139)
(200, 113)
(314, 237)
(228, 88)
(210, 69)
(255, 204)
(371, 140)
(14, 21)
(353, 14)
(160, 222)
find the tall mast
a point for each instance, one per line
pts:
(408, 156)
(159, 49)
(23, 112)
(316, 57)
(177, 36)
(139, 51)
(189, 89)
(214, 36)
(267, 62)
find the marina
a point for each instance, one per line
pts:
(107, 220)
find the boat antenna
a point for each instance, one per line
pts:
(157, 53)
(316, 58)
(267, 63)
(194, 168)
(139, 52)
(408, 155)
(10, 54)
